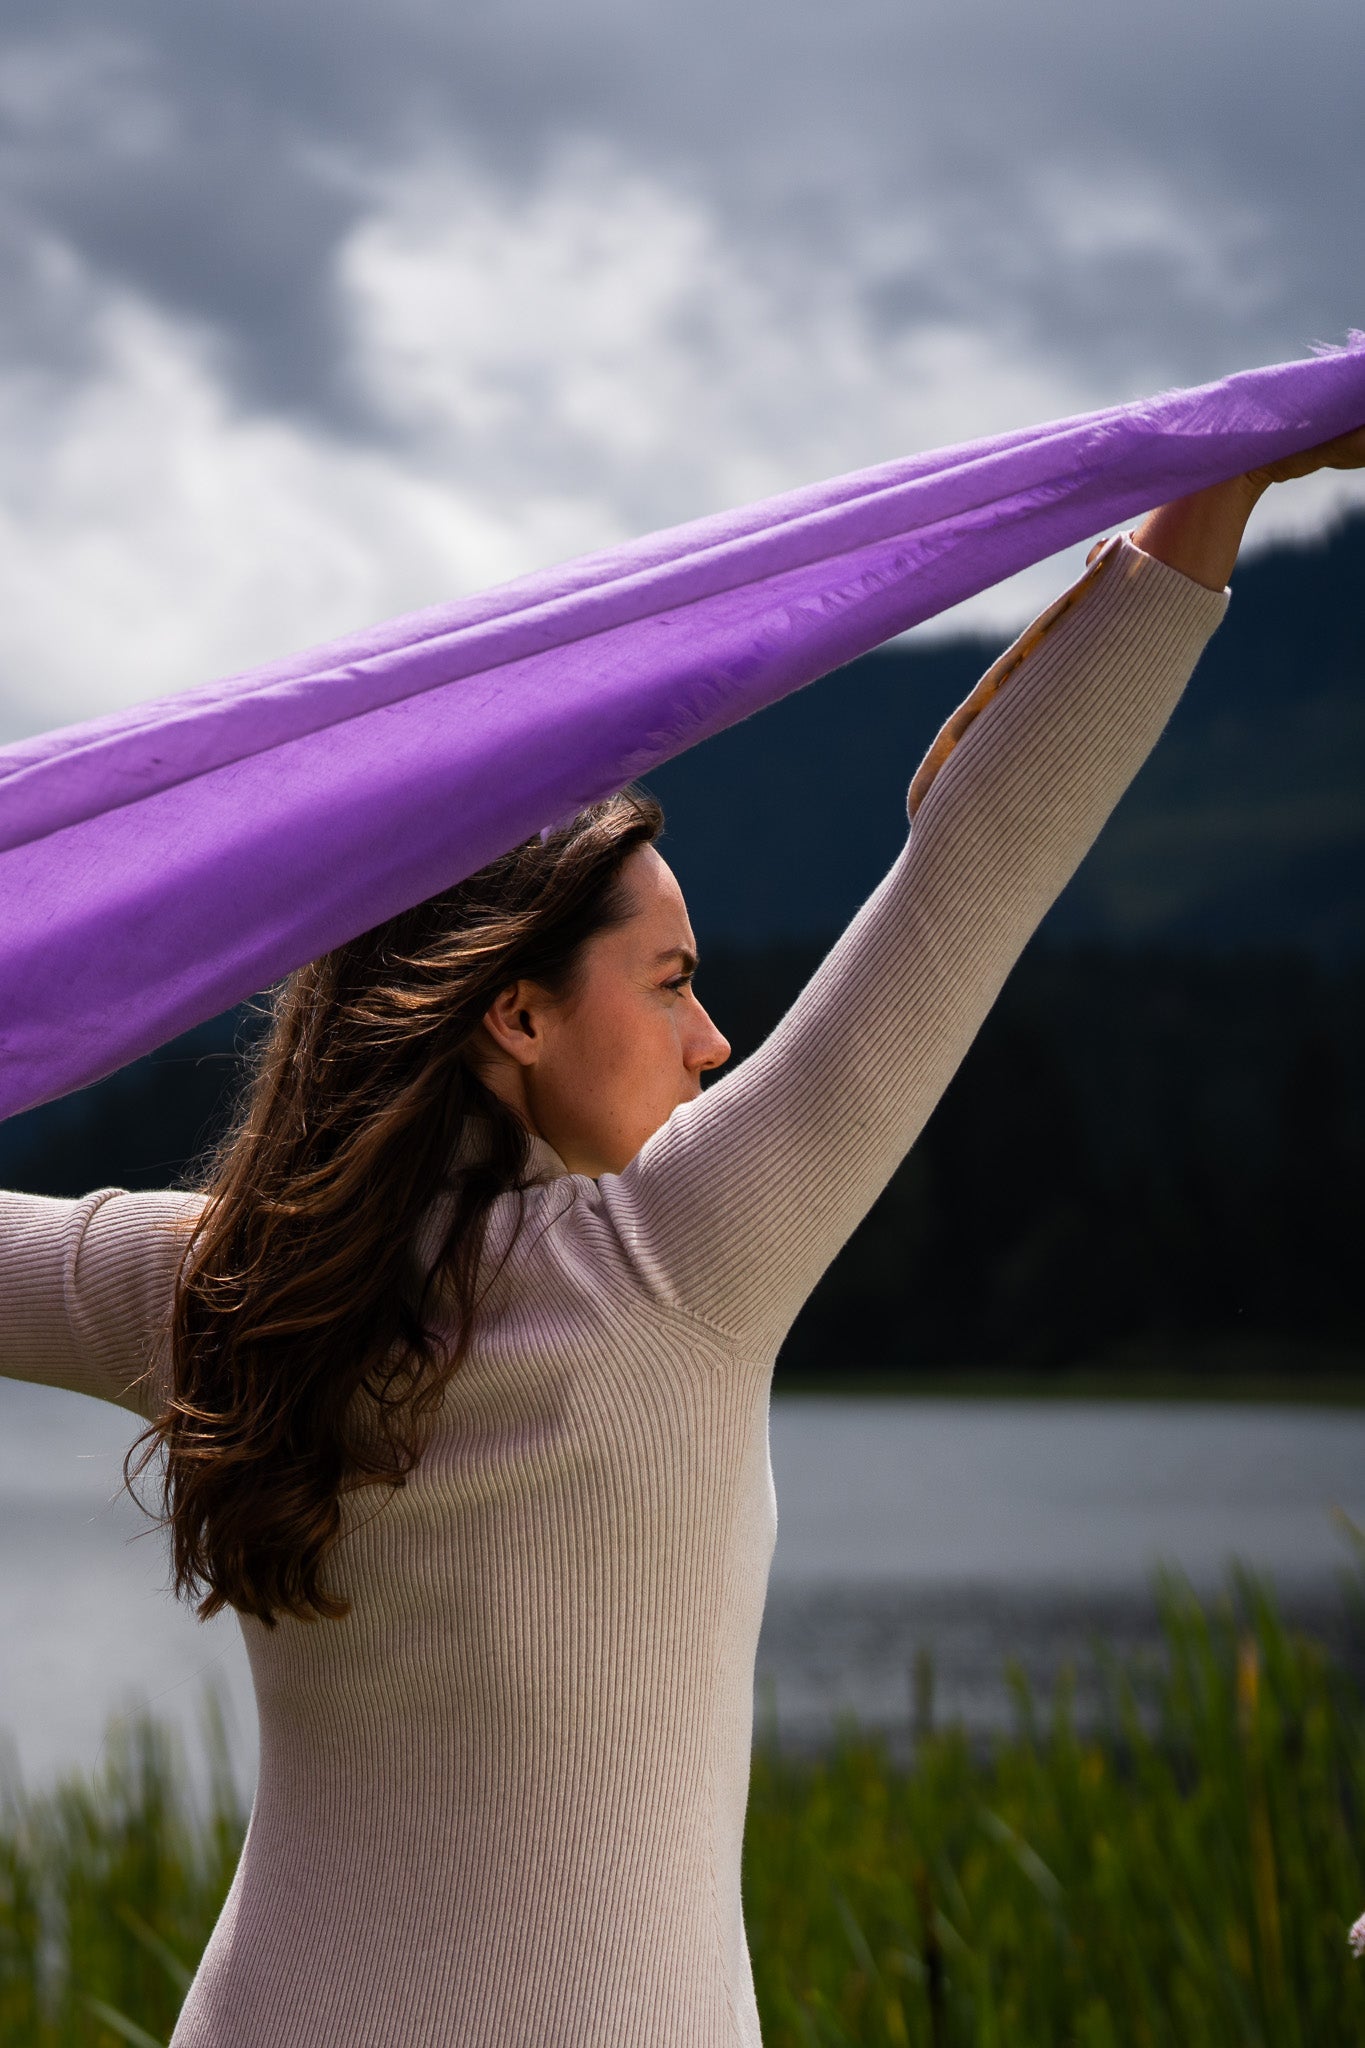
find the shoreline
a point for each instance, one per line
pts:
(1319, 1390)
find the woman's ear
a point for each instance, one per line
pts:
(514, 1022)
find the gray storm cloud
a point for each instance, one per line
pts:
(953, 155)
(413, 297)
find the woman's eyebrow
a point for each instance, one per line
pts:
(688, 958)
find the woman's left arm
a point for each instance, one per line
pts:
(734, 1208)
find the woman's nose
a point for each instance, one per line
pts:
(712, 1049)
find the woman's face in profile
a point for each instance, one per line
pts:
(599, 1074)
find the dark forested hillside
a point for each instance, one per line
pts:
(1154, 1154)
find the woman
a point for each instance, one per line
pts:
(460, 1361)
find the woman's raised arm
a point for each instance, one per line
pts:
(735, 1207)
(86, 1289)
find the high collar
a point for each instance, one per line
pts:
(543, 1162)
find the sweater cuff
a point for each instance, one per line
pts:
(1130, 543)
(1186, 604)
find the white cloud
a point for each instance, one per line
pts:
(152, 536)
(605, 326)
(547, 369)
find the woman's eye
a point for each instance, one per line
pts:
(681, 982)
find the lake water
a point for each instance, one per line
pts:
(975, 1530)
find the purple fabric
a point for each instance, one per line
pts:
(163, 863)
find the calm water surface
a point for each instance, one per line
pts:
(976, 1530)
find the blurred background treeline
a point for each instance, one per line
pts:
(1150, 1160)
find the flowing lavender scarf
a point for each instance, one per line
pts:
(162, 863)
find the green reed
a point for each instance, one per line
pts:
(1183, 1870)
(109, 1886)
(1185, 1874)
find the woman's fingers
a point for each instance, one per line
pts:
(1347, 451)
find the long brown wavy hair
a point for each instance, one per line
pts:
(302, 1362)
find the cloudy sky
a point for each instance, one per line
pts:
(313, 314)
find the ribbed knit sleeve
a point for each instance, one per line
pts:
(86, 1288)
(735, 1207)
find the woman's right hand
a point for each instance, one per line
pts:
(1200, 535)
(1347, 451)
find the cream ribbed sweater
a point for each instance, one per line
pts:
(502, 1803)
